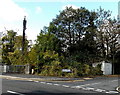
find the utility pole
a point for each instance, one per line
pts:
(24, 28)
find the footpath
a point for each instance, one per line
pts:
(29, 77)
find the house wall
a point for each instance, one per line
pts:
(105, 67)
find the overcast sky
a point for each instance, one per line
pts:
(40, 13)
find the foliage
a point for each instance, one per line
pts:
(76, 29)
(52, 65)
(16, 57)
(12, 49)
(8, 44)
(74, 40)
(96, 71)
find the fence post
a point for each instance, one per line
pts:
(27, 69)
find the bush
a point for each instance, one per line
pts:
(96, 70)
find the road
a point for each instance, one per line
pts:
(95, 86)
(38, 88)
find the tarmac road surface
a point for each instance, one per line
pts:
(88, 86)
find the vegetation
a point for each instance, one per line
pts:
(74, 40)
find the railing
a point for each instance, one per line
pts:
(12, 68)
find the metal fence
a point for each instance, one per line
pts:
(13, 68)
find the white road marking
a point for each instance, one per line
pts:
(30, 80)
(84, 88)
(57, 84)
(14, 92)
(112, 92)
(49, 83)
(43, 82)
(113, 80)
(90, 88)
(91, 84)
(65, 86)
(76, 87)
(36, 81)
(99, 90)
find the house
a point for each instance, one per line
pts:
(106, 67)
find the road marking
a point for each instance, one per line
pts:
(30, 80)
(99, 90)
(43, 82)
(90, 88)
(49, 83)
(84, 88)
(57, 84)
(91, 84)
(113, 80)
(36, 81)
(14, 92)
(76, 87)
(112, 92)
(65, 86)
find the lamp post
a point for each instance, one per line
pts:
(24, 28)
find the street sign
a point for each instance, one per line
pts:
(66, 70)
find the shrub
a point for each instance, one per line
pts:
(96, 70)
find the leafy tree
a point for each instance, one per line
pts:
(8, 44)
(76, 29)
(45, 42)
(70, 25)
(52, 65)
(17, 57)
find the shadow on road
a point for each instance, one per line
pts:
(47, 93)
(60, 94)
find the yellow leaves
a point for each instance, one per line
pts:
(50, 55)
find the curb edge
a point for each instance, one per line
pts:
(118, 89)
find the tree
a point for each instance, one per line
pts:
(52, 65)
(76, 29)
(69, 26)
(46, 42)
(111, 41)
(16, 57)
(102, 36)
(107, 37)
(8, 44)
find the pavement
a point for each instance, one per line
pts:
(41, 78)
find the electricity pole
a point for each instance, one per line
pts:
(24, 28)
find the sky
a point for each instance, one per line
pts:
(39, 13)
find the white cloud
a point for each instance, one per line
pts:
(11, 16)
(38, 10)
(73, 6)
(9, 11)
